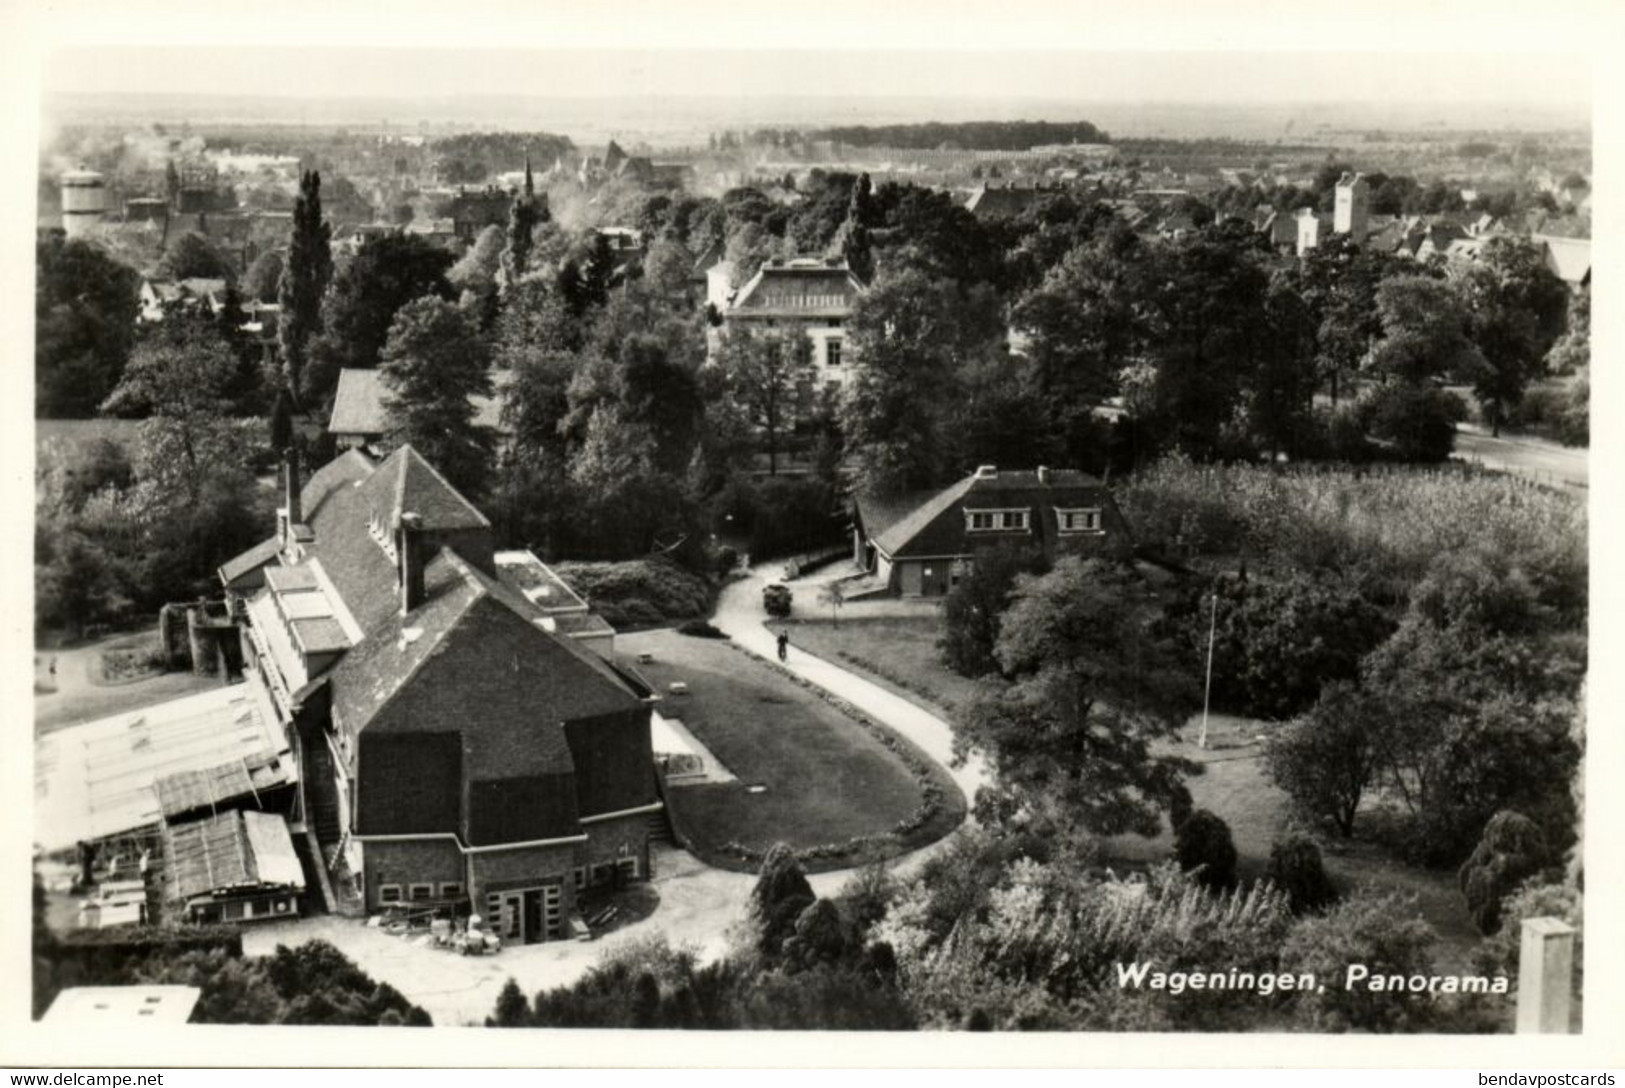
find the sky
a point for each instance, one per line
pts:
(1211, 77)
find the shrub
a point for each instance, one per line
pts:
(1329, 759)
(1417, 421)
(1498, 953)
(778, 515)
(1297, 869)
(1204, 848)
(640, 592)
(1381, 932)
(780, 895)
(700, 629)
(1511, 851)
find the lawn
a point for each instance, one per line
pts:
(900, 654)
(1235, 787)
(827, 779)
(897, 652)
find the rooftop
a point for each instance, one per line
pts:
(93, 1005)
(358, 404)
(101, 778)
(229, 852)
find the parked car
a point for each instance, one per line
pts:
(776, 599)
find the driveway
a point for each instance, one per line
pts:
(740, 615)
(81, 695)
(1535, 458)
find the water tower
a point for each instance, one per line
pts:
(84, 202)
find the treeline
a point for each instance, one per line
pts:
(469, 158)
(969, 135)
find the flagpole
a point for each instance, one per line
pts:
(1207, 694)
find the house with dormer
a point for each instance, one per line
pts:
(921, 545)
(462, 740)
(805, 296)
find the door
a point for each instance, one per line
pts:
(911, 579)
(534, 927)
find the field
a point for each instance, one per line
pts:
(826, 780)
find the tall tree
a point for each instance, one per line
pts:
(912, 337)
(855, 243)
(770, 375)
(1069, 737)
(85, 309)
(1207, 328)
(523, 218)
(434, 362)
(1515, 307)
(386, 273)
(305, 276)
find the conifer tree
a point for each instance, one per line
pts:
(522, 220)
(305, 276)
(855, 242)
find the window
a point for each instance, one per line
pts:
(581, 876)
(389, 893)
(1084, 520)
(1007, 520)
(628, 867)
(422, 891)
(832, 352)
(600, 873)
(451, 889)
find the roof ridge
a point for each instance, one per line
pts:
(411, 454)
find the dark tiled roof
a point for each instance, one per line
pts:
(358, 405)
(936, 527)
(254, 558)
(474, 662)
(800, 288)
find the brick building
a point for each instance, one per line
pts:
(457, 746)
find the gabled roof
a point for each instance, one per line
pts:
(358, 404)
(1569, 258)
(261, 554)
(502, 774)
(406, 483)
(933, 525)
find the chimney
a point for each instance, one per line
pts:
(292, 485)
(1043, 475)
(409, 553)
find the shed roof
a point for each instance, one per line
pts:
(230, 852)
(100, 779)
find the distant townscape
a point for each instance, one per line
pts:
(950, 575)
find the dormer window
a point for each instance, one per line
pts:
(1079, 520)
(997, 521)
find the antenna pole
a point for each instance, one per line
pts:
(1207, 694)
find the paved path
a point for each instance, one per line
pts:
(1536, 458)
(740, 615)
(80, 698)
